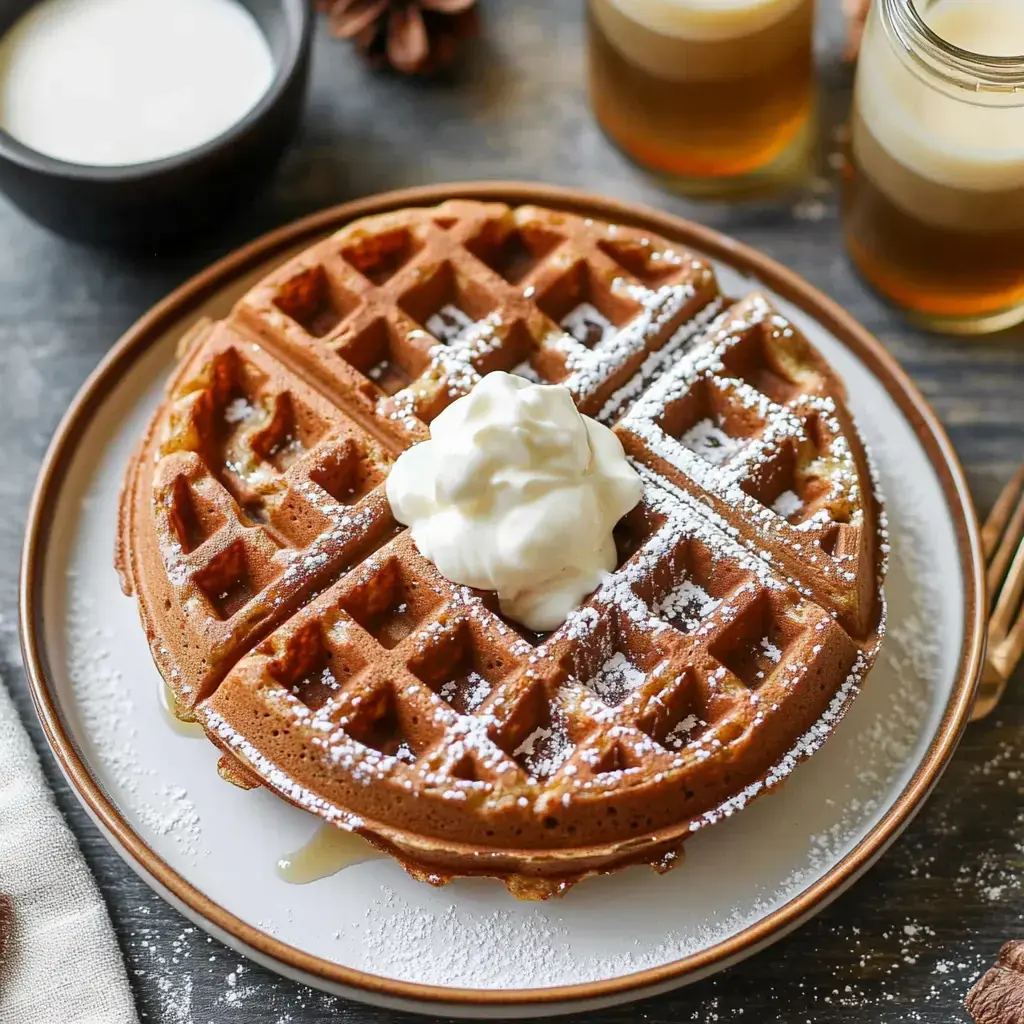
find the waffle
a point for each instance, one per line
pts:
(293, 617)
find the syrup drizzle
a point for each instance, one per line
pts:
(329, 851)
(179, 725)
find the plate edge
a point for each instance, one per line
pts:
(137, 340)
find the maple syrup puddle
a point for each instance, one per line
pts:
(329, 851)
(193, 729)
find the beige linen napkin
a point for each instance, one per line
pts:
(61, 963)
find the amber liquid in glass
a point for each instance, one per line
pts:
(706, 110)
(935, 192)
(955, 255)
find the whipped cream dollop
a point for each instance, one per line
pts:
(517, 492)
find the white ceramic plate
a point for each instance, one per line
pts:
(614, 937)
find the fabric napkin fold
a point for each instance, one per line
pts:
(60, 963)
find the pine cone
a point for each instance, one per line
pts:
(998, 996)
(416, 37)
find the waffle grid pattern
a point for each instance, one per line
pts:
(515, 274)
(322, 651)
(746, 418)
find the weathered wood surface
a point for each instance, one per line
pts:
(906, 942)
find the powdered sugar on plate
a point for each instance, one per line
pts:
(472, 933)
(110, 716)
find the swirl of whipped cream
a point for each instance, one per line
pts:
(517, 492)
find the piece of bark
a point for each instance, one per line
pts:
(998, 995)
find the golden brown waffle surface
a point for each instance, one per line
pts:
(292, 616)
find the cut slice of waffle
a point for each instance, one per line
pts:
(398, 315)
(291, 615)
(251, 492)
(751, 419)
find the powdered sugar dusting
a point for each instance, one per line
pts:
(449, 324)
(110, 715)
(659, 360)
(587, 324)
(787, 504)
(737, 468)
(471, 934)
(277, 778)
(879, 735)
(687, 605)
(545, 749)
(617, 678)
(590, 368)
(707, 439)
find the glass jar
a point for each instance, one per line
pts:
(714, 96)
(934, 205)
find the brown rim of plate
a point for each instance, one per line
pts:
(785, 283)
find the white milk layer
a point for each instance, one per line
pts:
(705, 19)
(949, 137)
(118, 82)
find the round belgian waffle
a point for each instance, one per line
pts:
(295, 620)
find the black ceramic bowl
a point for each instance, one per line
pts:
(146, 205)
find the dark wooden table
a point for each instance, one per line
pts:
(906, 942)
